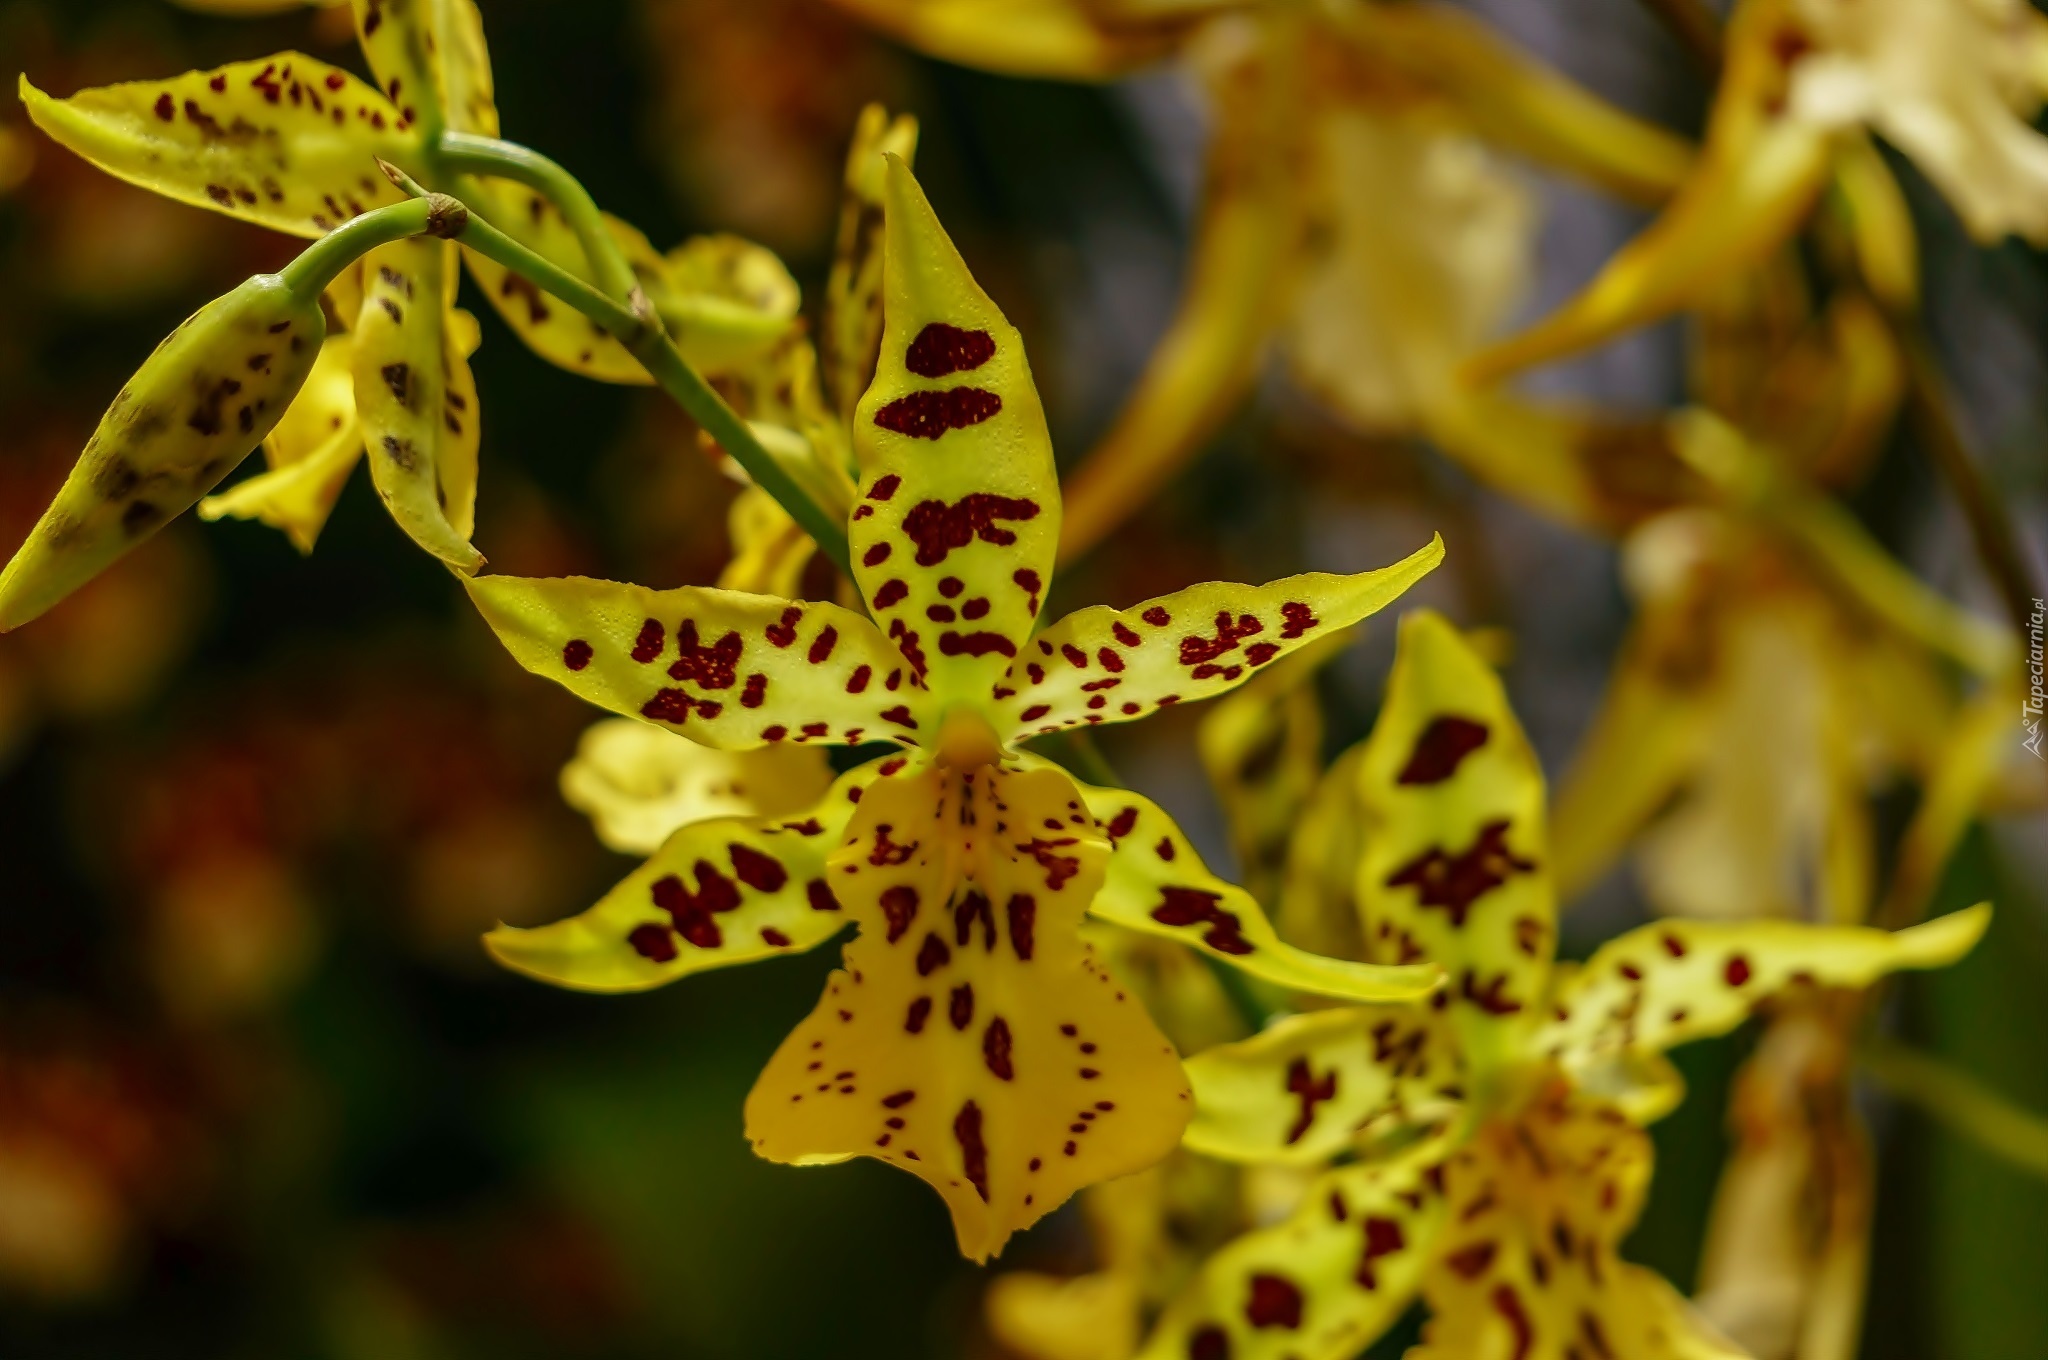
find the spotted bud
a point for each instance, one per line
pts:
(196, 408)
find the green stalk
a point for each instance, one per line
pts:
(322, 262)
(466, 153)
(640, 332)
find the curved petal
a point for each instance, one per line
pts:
(971, 1036)
(416, 399)
(1307, 1087)
(638, 783)
(286, 142)
(728, 670)
(1320, 1286)
(1455, 867)
(850, 324)
(1156, 883)
(727, 301)
(429, 57)
(718, 892)
(1670, 983)
(1101, 665)
(1048, 39)
(953, 536)
(198, 406)
(311, 453)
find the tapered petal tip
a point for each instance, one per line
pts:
(1940, 942)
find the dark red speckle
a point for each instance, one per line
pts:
(1441, 748)
(1455, 882)
(973, 1152)
(1209, 1343)
(995, 1049)
(1737, 972)
(1274, 1302)
(890, 594)
(763, 873)
(653, 942)
(783, 631)
(819, 894)
(940, 349)
(937, 528)
(928, 415)
(653, 637)
(1192, 906)
(576, 654)
(1022, 910)
(899, 908)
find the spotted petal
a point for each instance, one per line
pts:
(1528, 1264)
(971, 1036)
(1310, 1086)
(1112, 665)
(725, 669)
(429, 57)
(1455, 857)
(1156, 883)
(286, 142)
(959, 515)
(1670, 983)
(850, 328)
(416, 399)
(311, 453)
(1320, 1286)
(719, 892)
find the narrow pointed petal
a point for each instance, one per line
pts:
(959, 515)
(1456, 860)
(311, 453)
(286, 142)
(1321, 1286)
(638, 783)
(729, 670)
(1529, 1264)
(195, 409)
(972, 1037)
(850, 327)
(1310, 1086)
(416, 399)
(1047, 39)
(1102, 665)
(1157, 884)
(429, 57)
(1667, 984)
(1318, 906)
(719, 892)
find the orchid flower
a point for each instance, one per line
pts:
(1503, 1153)
(1356, 212)
(292, 143)
(971, 1036)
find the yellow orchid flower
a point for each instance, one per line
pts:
(971, 1036)
(1504, 1153)
(292, 143)
(1954, 84)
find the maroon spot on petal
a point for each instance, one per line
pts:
(1492, 997)
(975, 644)
(1441, 748)
(755, 691)
(920, 1011)
(899, 909)
(1028, 581)
(1192, 906)
(1455, 882)
(1058, 867)
(1129, 708)
(884, 487)
(1035, 712)
(1737, 970)
(890, 594)
(166, 107)
(938, 528)
(940, 349)
(763, 873)
(775, 733)
(858, 681)
(1122, 824)
(771, 936)
(974, 906)
(951, 586)
(1165, 848)
(651, 941)
(929, 415)
(960, 1006)
(1631, 972)
(900, 715)
(653, 637)
(822, 645)
(1297, 618)
(1509, 1305)
(1311, 1091)
(576, 654)
(783, 631)
(712, 667)
(995, 1049)
(1472, 1262)
(973, 1152)
(876, 555)
(932, 955)
(819, 894)
(1123, 634)
(939, 613)
(1208, 1343)
(1022, 910)
(692, 912)
(1274, 1302)
(1157, 617)
(1259, 653)
(1196, 649)
(1673, 946)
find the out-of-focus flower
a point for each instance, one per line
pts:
(972, 1037)
(638, 783)
(1503, 1157)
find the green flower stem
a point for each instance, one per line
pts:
(640, 332)
(466, 153)
(1977, 1113)
(322, 262)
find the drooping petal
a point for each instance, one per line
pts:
(198, 406)
(959, 515)
(971, 1036)
(1528, 1263)
(719, 892)
(1670, 983)
(416, 399)
(429, 57)
(1456, 866)
(1757, 176)
(1308, 1087)
(311, 453)
(1321, 1286)
(1156, 883)
(638, 783)
(725, 669)
(850, 324)
(1049, 39)
(286, 142)
(1100, 665)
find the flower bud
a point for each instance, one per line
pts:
(196, 407)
